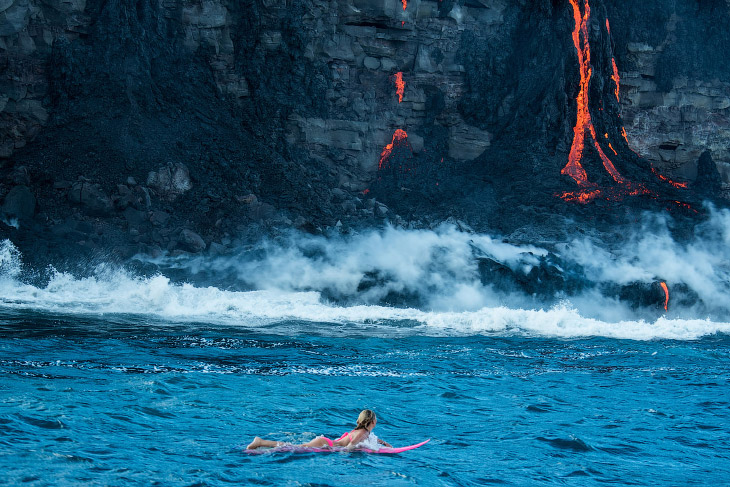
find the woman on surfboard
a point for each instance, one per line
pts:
(361, 436)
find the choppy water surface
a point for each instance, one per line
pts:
(123, 400)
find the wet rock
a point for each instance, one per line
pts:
(19, 203)
(338, 195)
(91, 197)
(14, 17)
(248, 199)
(170, 181)
(159, 218)
(20, 176)
(261, 211)
(466, 142)
(137, 197)
(190, 241)
(135, 218)
(216, 249)
(348, 206)
(62, 185)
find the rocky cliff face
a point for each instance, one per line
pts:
(161, 119)
(675, 87)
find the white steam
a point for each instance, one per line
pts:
(295, 280)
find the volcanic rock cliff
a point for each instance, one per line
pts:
(154, 125)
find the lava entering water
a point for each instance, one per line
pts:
(400, 85)
(666, 295)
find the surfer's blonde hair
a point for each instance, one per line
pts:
(365, 418)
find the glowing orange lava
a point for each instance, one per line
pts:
(400, 85)
(584, 122)
(666, 295)
(615, 77)
(667, 180)
(405, 3)
(399, 135)
(574, 169)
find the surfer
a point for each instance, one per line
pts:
(361, 436)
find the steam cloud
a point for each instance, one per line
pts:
(430, 278)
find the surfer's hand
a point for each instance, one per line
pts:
(385, 443)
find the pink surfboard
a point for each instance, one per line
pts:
(301, 449)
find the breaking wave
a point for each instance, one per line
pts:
(440, 282)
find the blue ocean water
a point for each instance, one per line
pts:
(115, 399)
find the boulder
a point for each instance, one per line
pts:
(170, 181)
(19, 203)
(190, 241)
(135, 218)
(91, 197)
(159, 218)
(137, 197)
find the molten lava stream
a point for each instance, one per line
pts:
(584, 122)
(669, 181)
(615, 77)
(400, 85)
(573, 168)
(666, 295)
(398, 136)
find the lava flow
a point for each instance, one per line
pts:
(405, 3)
(615, 77)
(400, 139)
(584, 123)
(666, 295)
(669, 181)
(400, 85)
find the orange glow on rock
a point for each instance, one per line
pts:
(666, 295)
(573, 168)
(400, 85)
(582, 196)
(615, 77)
(611, 147)
(667, 180)
(399, 135)
(584, 123)
(405, 3)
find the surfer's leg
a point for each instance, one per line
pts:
(259, 442)
(318, 442)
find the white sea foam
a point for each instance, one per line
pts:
(437, 265)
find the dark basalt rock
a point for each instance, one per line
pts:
(19, 203)
(708, 182)
(249, 117)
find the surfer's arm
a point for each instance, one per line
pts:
(385, 443)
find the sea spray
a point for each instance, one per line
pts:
(295, 280)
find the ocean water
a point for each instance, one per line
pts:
(120, 400)
(114, 377)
